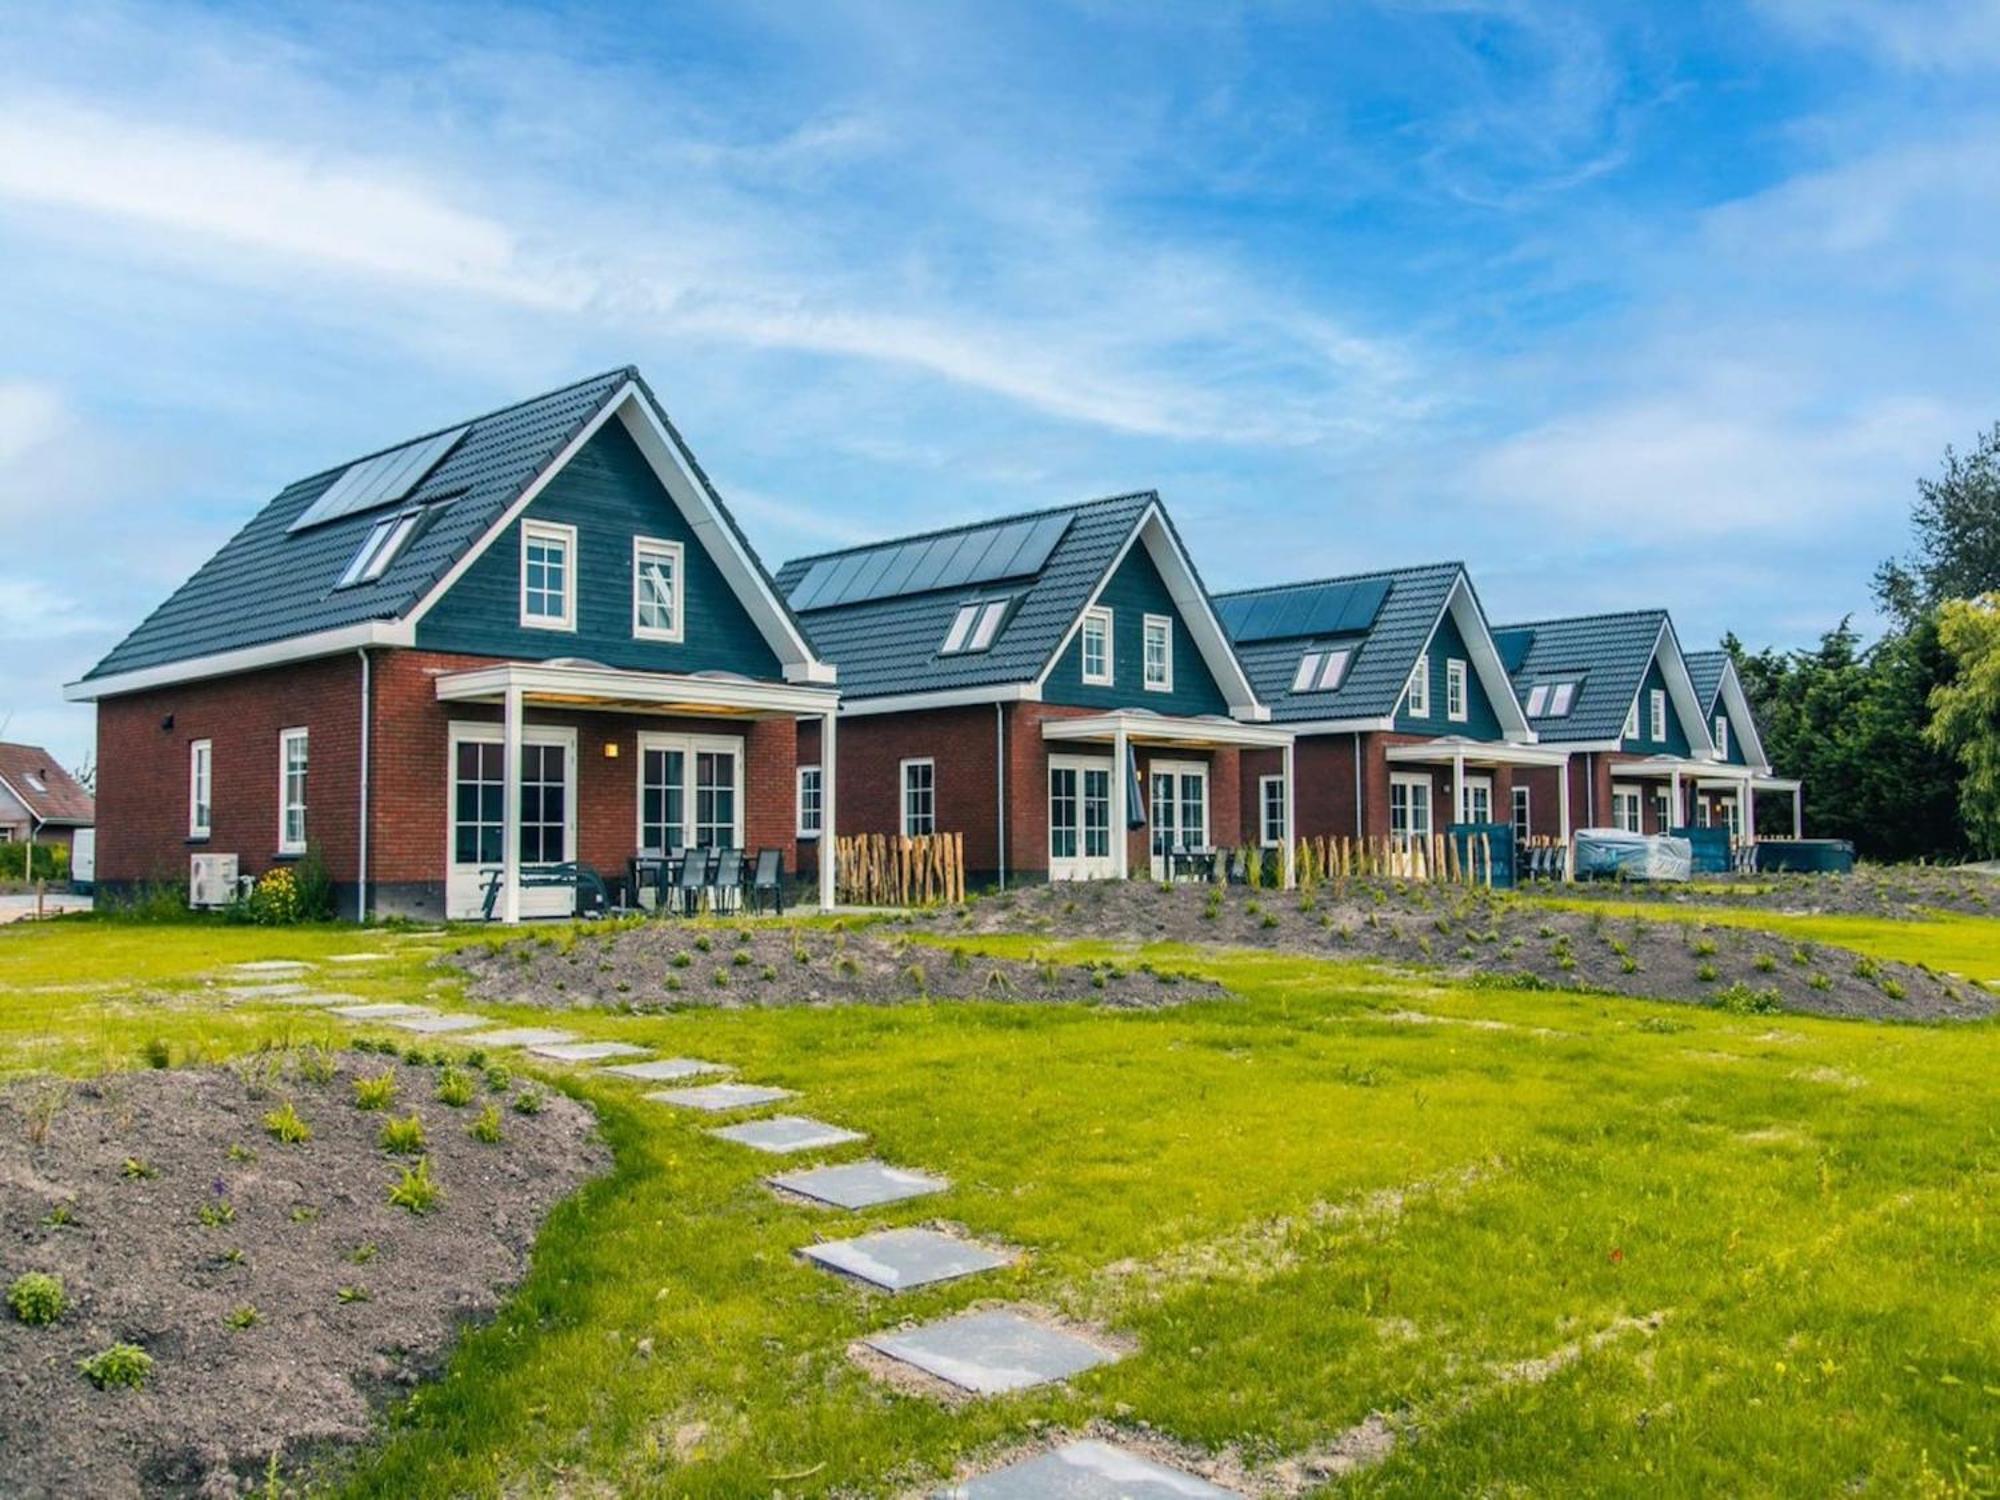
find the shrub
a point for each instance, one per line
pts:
(37, 1298)
(1707, 974)
(137, 1169)
(415, 1190)
(315, 1065)
(403, 1137)
(242, 1316)
(62, 1216)
(374, 1093)
(1628, 965)
(528, 1101)
(1819, 982)
(156, 1053)
(284, 1124)
(486, 1128)
(1893, 989)
(1704, 947)
(121, 1365)
(498, 1079)
(1739, 999)
(349, 1294)
(314, 885)
(455, 1088)
(1765, 964)
(274, 900)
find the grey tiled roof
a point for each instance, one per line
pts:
(1386, 655)
(1607, 654)
(1706, 668)
(890, 645)
(266, 586)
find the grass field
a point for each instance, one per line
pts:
(1581, 1246)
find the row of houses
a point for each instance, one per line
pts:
(540, 637)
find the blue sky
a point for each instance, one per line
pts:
(1622, 304)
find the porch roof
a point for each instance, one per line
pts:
(1652, 767)
(1449, 749)
(1143, 727)
(601, 689)
(1710, 780)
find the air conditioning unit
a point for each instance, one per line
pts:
(211, 879)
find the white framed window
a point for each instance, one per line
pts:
(548, 576)
(974, 626)
(1409, 807)
(1524, 822)
(1722, 735)
(1271, 811)
(809, 802)
(919, 797)
(292, 759)
(1455, 707)
(691, 792)
(1561, 696)
(1659, 714)
(1417, 699)
(201, 788)
(1538, 700)
(1475, 804)
(1159, 654)
(1632, 721)
(1663, 808)
(1625, 805)
(656, 589)
(1098, 667)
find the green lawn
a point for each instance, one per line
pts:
(1302, 1211)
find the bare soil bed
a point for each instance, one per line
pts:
(1486, 934)
(1906, 891)
(667, 965)
(277, 1291)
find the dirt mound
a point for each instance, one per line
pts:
(664, 965)
(274, 1287)
(1482, 933)
(1896, 891)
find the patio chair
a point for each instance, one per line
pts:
(1238, 872)
(727, 879)
(769, 880)
(693, 880)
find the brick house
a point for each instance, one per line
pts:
(1054, 686)
(532, 637)
(1404, 715)
(1742, 770)
(40, 802)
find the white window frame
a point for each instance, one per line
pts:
(1625, 794)
(1107, 676)
(1658, 717)
(1562, 698)
(819, 802)
(286, 738)
(1632, 721)
(1417, 696)
(1521, 808)
(676, 556)
(1663, 807)
(1160, 628)
(1457, 704)
(1538, 700)
(690, 745)
(1410, 782)
(545, 532)
(904, 819)
(1466, 787)
(1722, 735)
(201, 788)
(1269, 836)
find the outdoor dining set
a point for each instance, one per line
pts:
(681, 882)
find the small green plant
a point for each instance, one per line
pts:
(1765, 964)
(316, 1065)
(376, 1092)
(233, 1256)
(705, 943)
(1664, 1026)
(1893, 989)
(1628, 965)
(122, 1366)
(486, 1129)
(360, 1255)
(403, 1137)
(1740, 1000)
(216, 1212)
(1819, 982)
(1707, 974)
(243, 1316)
(741, 959)
(37, 1298)
(1865, 968)
(1801, 956)
(455, 1088)
(528, 1101)
(240, 1152)
(1270, 920)
(915, 978)
(285, 1125)
(349, 1294)
(415, 1190)
(722, 979)
(138, 1169)
(498, 1079)
(846, 966)
(680, 960)
(157, 1053)
(1704, 947)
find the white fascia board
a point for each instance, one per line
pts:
(903, 703)
(245, 659)
(1743, 723)
(621, 687)
(1303, 727)
(1680, 686)
(1472, 628)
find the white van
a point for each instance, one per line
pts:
(83, 861)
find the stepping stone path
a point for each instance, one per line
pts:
(784, 1134)
(381, 1010)
(716, 1098)
(586, 1051)
(304, 997)
(666, 1069)
(518, 1036)
(991, 1353)
(859, 1184)
(1086, 1470)
(441, 1025)
(272, 966)
(262, 991)
(359, 958)
(898, 1260)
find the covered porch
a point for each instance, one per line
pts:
(521, 797)
(1469, 765)
(1095, 798)
(1736, 789)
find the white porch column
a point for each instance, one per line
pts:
(1121, 852)
(510, 806)
(1798, 813)
(828, 829)
(1680, 812)
(1457, 788)
(1749, 811)
(1562, 816)
(1288, 862)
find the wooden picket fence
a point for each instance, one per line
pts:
(1437, 859)
(880, 869)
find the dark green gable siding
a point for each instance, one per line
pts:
(609, 493)
(1135, 591)
(1643, 743)
(1481, 723)
(1735, 756)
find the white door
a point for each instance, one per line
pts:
(1177, 810)
(690, 792)
(548, 816)
(1477, 804)
(1409, 809)
(1079, 818)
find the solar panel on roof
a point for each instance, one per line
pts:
(985, 554)
(1317, 609)
(381, 480)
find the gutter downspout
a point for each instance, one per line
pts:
(1000, 787)
(1360, 822)
(361, 863)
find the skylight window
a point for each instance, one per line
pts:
(974, 627)
(1551, 700)
(1322, 671)
(36, 782)
(379, 548)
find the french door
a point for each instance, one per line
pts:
(1177, 810)
(1409, 809)
(690, 792)
(477, 827)
(1477, 804)
(1079, 818)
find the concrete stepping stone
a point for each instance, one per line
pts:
(586, 1051)
(784, 1134)
(715, 1098)
(441, 1025)
(272, 966)
(380, 1010)
(269, 990)
(665, 1069)
(991, 1353)
(1087, 1470)
(298, 994)
(518, 1036)
(859, 1184)
(358, 958)
(898, 1260)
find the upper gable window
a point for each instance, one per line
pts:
(548, 576)
(974, 626)
(1097, 663)
(1159, 654)
(1722, 734)
(1659, 716)
(1454, 691)
(656, 589)
(1418, 698)
(383, 544)
(1322, 671)
(1632, 721)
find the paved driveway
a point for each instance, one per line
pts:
(16, 907)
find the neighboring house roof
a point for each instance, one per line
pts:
(50, 793)
(1385, 618)
(1705, 670)
(880, 612)
(277, 579)
(1606, 656)
(1716, 680)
